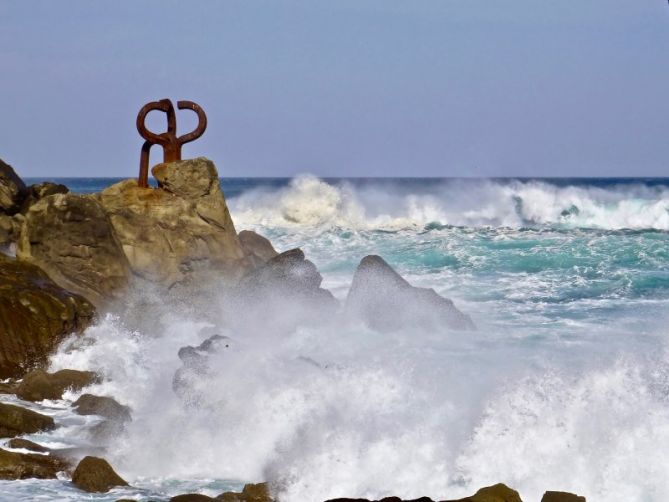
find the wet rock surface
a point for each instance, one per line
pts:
(387, 302)
(94, 474)
(29, 465)
(15, 420)
(36, 314)
(496, 493)
(103, 406)
(551, 496)
(178, 231)
(39, 385)
(25, 444)
(258, 249)
(71, 238)
(252, 492)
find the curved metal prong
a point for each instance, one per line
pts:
(201, 125)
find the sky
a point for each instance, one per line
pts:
(341, 88)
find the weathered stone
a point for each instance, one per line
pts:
(103, 406)
(285, 292)
(192, 497)
(24, 444)
(71, 238)
(15, 420)
(258, 249)
(386, 499)
(29, 465)
(35, 316)
(551, 496)
(12, 189)
(179, 230)
(39, 191)
(94, 474)
(252, 492)
(38, 384)
(496, 493)
(386, 302)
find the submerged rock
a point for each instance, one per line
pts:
(12, 189)
(15, 420)
(35, 316)
(284, 292)
(387, 302)
(38, 384)
(561, 497)
(24, 444)
(71, 238)
(178, 231)
(94, 474)
(103, 406)
(258, 249)
(29, 465)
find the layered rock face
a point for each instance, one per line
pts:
(71, 238)
(387, 302)
(12, 190)
(35, 316)
(179, 229)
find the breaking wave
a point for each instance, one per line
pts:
(308, 201)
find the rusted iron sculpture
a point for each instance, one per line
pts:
(168, 140)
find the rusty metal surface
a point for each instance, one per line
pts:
(169, 140)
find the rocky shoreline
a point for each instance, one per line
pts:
(68, 258)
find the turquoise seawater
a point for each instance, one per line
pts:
(564, 386)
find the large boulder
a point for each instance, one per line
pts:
(103, 406)
(252, 492)
(285, 292)
(29, 465)
(71, 238)
(25, 444)
(15, 420)
(94, 474)
(12, 189)
(496, 493)
(178, 231)
(386, 302)
(258, 249)
(35, 316)
(39, 385)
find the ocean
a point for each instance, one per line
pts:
(563, 386)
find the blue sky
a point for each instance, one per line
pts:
(342, 88)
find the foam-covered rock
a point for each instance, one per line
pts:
(387, 302)
(39, 385)
(103, 406)
(36, 314)
(70, 237)
(179, 230)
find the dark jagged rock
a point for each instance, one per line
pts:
(12, 189)
(387, 499)
(24, 444)
(252, 492)
(94, 474)
(70, 237)
(38, 191)
(38, 384)
(29, 465)
(496, 493)
(105, 432)
(35, 316)
(258, 249)
(107, 407)
(284, 291)
(387, 302)
(15, 421)
(551, 496)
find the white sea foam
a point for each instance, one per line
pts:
(310, 202)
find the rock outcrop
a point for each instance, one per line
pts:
(39, 385)
(258, 249)
(15, 420)
(94, 474)
(193, 497)
(103, 406)
(386, 302)
(496, 493)
(252, 492)
(25, 444)
(12, 190)
(71, 238)
(39, 191)
(561, 497)
(284, 291)
(29, 465)
(178, 231)
(35, 316)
